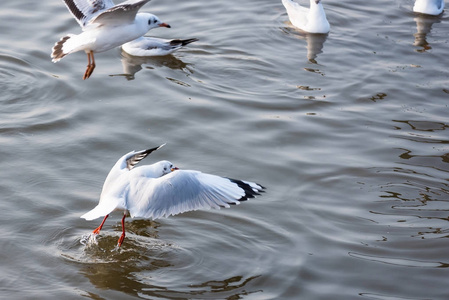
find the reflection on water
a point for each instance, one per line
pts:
(424, 25)
(315, 42)
(144, 263)
(414, 191)
(401, 262)
(133, 64)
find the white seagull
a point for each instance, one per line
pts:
(160, 190)
(429, 7)
(105, 26)
(151, 46)
(312, 20)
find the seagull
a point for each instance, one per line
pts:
(151, 46)
(161, 190)
(311, 20)
(105, 26)
(429, 7)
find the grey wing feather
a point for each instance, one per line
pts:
(138, 156)
(122, 13)
(84, 10)
(185, 190)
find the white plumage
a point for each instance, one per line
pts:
(105, 26)
(312, 20)
(151, 46)
(429, 7)
(161, 190)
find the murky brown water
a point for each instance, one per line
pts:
(348, 132)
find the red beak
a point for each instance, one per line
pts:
(164, 25)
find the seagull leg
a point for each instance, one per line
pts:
(90, 65)
(97, 231)
(122, 237)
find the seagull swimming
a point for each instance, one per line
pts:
(161, 189)
(151, 46)
(429, 7)
(312, 20)
(105, 26)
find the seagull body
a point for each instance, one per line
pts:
(150, 46)
(312, 20)
(105, 26)
(161, 190)
(429, 7)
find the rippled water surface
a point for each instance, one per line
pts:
(347, 131)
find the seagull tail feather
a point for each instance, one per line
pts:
(57, 50)
(102, 209)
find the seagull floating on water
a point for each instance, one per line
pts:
(151, 46)
(161, 190)
(312, 20)
(429, 7)
(105, 26)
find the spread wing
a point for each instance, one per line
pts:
(185, 190)
(124, 12)
(84, 10)
(138, 156)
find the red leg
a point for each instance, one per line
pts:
(90, 65)
(122, 237)
(97, 231)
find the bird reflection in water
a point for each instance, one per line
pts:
(315, 42)
(424, 25)
(133, 64)
(140, 278)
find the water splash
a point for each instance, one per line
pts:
(89, 239)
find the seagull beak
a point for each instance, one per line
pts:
(174, 169)
(164, 25)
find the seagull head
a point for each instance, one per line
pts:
(164, 167)
(153, 21)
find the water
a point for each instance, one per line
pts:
(348, 132)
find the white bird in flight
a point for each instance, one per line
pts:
(105, 26)
(429, 7)
(312, 20)
(161, 189)
(151, 46)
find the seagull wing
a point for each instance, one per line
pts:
(150, 46)
(133, 160)
(185, 190)
(297, 14)
(119, 14)
(84, 10)
(124, 165)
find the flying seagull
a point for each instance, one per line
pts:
(105, 26)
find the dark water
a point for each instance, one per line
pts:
(348, 132)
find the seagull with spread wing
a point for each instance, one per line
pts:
(105, 26)
(161, 190)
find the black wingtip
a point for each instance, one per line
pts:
(148, 151)
(178, 42)
(137, 157)
(250, 192)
